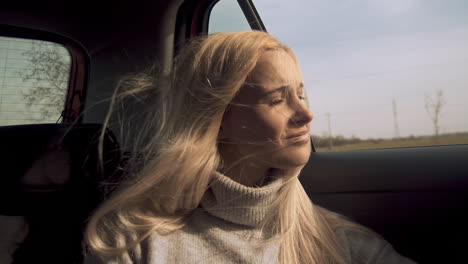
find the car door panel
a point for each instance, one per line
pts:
(417, 198)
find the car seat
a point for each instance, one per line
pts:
(51, 180)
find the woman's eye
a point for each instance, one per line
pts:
(302, 98)
(276, 102)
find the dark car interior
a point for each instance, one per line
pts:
(417, 197)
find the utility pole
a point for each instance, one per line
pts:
(330, 142)
(434, 107)
(395, 119)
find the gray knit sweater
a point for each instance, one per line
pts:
(225, 228)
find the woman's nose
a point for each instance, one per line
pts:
(302, 114)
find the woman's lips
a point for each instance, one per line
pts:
(300, 137)
(298, 134)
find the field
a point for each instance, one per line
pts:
(448, 139)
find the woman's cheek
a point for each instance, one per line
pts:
(269, 126)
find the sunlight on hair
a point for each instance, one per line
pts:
(175, 154)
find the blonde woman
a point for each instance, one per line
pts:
(216, 178)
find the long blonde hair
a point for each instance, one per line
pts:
(181, 127)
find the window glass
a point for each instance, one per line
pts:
(34, 78)
(379, 74)
(226, 16)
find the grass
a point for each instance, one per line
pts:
(399, 143)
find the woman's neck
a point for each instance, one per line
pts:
(248, 174)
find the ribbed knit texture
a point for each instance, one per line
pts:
(226, 229)
(237, 203)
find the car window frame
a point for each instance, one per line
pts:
(74, 103)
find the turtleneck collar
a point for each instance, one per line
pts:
(237, 203)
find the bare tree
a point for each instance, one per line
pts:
(48, 70)
(330, 140)
(434, 107)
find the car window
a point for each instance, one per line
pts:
(379, 74)
(34, 77)
(227, 16)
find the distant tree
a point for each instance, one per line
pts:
(338, 140)
(330, 139)
(434, 107)
(48, 70)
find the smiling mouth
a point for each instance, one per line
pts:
(300, 138)
(299, 134)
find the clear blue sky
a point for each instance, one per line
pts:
(357, 55)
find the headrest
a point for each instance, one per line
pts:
(52, 162)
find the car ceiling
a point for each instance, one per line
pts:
(94, 24)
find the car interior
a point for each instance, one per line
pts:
(415, 197)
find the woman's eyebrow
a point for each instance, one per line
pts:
(283, 88)
(279, 89)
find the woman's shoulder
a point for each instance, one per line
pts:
(365, 246)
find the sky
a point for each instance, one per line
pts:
(358, 56)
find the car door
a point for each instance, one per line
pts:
(415, 197)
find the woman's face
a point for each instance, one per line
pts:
(269, 119)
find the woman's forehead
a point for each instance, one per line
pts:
(275, 69)
(251, 94)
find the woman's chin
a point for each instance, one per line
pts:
(292, 157)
